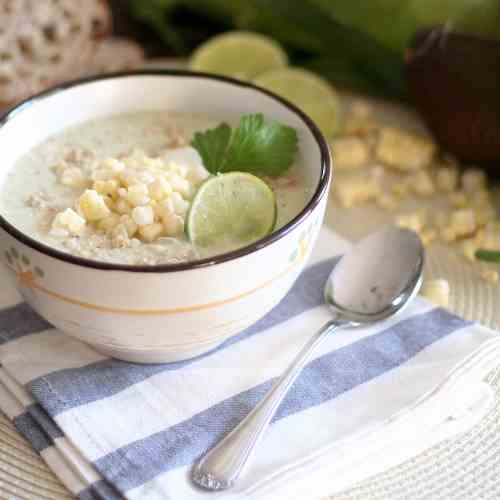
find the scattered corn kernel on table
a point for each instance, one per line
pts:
(454, 214)
(460, 468)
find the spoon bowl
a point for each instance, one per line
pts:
(377, 278)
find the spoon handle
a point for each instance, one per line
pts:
(223, 464)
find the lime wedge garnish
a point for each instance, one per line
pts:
(231, 210)
(240, 54)
(309, 92)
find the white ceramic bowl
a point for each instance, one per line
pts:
(164, 313)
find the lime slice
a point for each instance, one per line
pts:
(240, 54)
(309, 92)
(231, 210)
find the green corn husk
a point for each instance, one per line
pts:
(357, 44)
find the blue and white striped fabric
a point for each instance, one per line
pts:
(114, 430)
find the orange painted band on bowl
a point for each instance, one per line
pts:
(148, 312)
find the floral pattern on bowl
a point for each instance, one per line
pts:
(21, 265)
(301, 251)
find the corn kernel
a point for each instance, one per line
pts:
(378, 172)
(422, 184)
(150, 232)
(173, 224)
(387, 202)
(355, 125)
(109, 203)
(180, 205)
(143, 216)
(164, 208)
(108, 222)
(359, 120)
(137, 195)
(484, 215)
(349, 152)
(154, 163)
(401, 189)
(448, 235)
(356, 189)
(129, 224)
(447, 179)
(109, 187)
(178, 169)
(491, 240)
(403, 150)
(122, 207)
(458, 199)
(490, 276)
(473, 180)
(128, 177)
(113, 164)
(92, 206)
(428, 235)
(160, 188)
(145, 177)
(437, 291)
(181, 185)
(469, 247)
(130, 163)
(413, 221)
(69, 221)
(480, 198)
(462, 223)
(197, 174)
(361, 109)
(441, 219)
(479, 236)
(102, 174)
(73, 177)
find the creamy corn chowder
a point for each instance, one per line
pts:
(119, 190)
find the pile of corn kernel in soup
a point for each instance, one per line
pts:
(404, 173)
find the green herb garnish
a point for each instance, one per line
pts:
(488, 255)
(254, 146)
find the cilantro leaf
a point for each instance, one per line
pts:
(254, 146)
(262, 148)
(212, 146)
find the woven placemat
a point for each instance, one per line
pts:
(23, 474)
(464, 468)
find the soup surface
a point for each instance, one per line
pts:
(118, 189)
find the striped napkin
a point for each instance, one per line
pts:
(368, 399)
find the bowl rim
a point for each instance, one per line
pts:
(319, 193)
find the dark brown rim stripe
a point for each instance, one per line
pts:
(319, 193)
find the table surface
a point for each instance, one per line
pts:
(465, 467)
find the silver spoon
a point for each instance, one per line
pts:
(372, 282)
